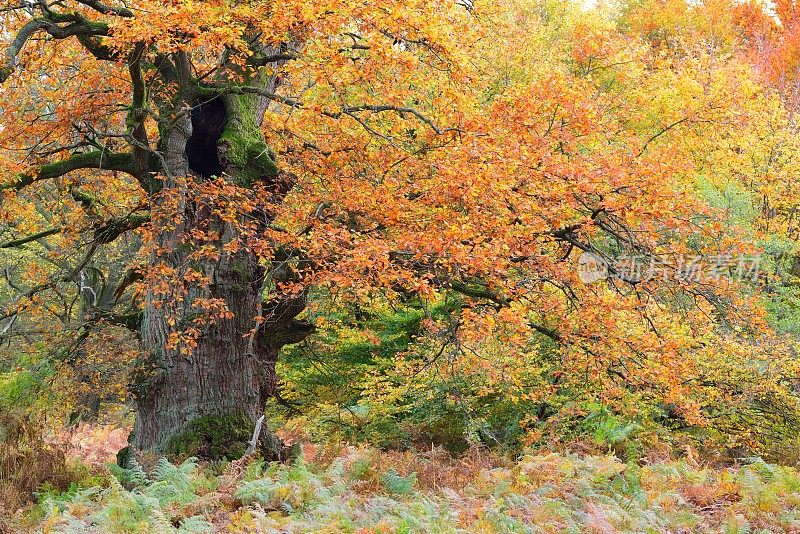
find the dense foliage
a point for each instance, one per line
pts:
(371, 221)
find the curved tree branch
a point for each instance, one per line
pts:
(78, 26)
(107, 10)
(27, 239)
(13, 50)
(346, 110)
(97, 159)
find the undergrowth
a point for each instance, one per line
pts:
(363, 490)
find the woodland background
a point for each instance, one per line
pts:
(459, 376)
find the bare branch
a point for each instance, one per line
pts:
(400, 110)
(107, 10)
(347, 110)
(662, 132)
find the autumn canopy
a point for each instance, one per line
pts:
(208, 206)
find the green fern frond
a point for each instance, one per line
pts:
(394, 483)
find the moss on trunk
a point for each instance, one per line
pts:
(213, 437)
(242, 147)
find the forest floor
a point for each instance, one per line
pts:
(340, 488)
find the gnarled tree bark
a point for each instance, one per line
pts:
(206, 403)
(202, 400)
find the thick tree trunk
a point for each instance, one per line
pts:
(206, 401)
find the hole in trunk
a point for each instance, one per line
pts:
(208, 122)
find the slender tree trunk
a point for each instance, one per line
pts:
(206, 402)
